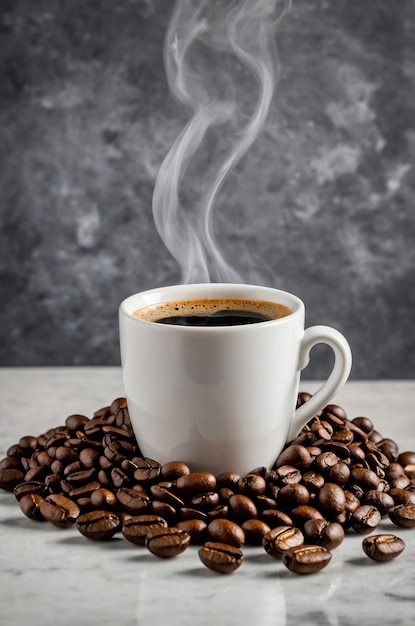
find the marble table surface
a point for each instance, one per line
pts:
(57, 577)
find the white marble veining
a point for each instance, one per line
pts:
(56, 577)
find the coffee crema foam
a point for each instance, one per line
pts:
(203, 307)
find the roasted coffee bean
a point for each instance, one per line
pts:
(173, 470)
(226, 531)
(228, 479)
(265, 502)
(365, 478)
(165, 510)
(341, 450)
(325, 461)
(402, 496)
(28, 488)
(406, 458)
(10, 478)
(336, 410)
(365, 519)
(81, 477)
(275, 517)
(28, 443)
(84, 491)
(76, 422)
(291, 496)
(382, 501)
(166, 495)
(196, 528)
(306, 559)
(389, 448)
(72, 468)
(242, 507)
(313, 481)
(103, 498)
(15, 451)
(364, 423)
(383, 548)
(339, 474)
(221, 557)
(119, 478)
(187, 512)
(195, 483)
(205, 501)
(301, 514)
(220, 511)
(11, 462)
(255, 530)
(225, 493)
(403, 515)
(167, 542)
(331, 500)
(136, 528)
(98, 525)
(30, 506)
(327, 534)
(252, 485)
(132, 501)
(400, 482)
(288, 475)
(280, 539)
(89, 457)
(37, 472)
(295, 455)
(59, 510)
(147, 470)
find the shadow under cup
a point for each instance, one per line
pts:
(218, 397)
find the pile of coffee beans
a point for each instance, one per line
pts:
(337, 476)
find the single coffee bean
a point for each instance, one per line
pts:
(89, 457)
(147, 470)
(402, 496)
(165, 510)
(10, 478)
(325, 461)
(252, 485)
(28, 443)
(226, 531)
(28, 488)
(220, 511)
(301, 514)
(242, 507)
(173, 470)
(379, 499)
(132, 501)
(295, 455)
(400, 482)
(294, 495)
(275, 517)
(228, 479)
(136, 528)
(187, 512)
(331, 500)
(313, 481)
(339, 473)
(196, 528)
(288, 475)
(280, 539)
(365, 519)
(11, 462)
(76, 422)
(205, 501)
(365, 478)
(166, 495)
(59, 510)
(255, 530)
(221, 557)
(98, 525)
(30, 506)
(327, 534)
(403, 515)
(383, 548)
(167, 542)
(103, 498)
(364, 423)
(195, 483)
(306, 559)
(406, 458)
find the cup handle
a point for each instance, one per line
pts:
(336, 380)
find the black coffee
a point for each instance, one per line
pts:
(213, 312)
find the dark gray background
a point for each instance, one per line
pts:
(322, 205)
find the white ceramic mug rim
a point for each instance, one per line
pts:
(236, 290)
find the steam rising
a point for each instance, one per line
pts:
(239, 32)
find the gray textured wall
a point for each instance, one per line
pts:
(322, 204)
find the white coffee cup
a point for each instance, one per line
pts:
(221, 398)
